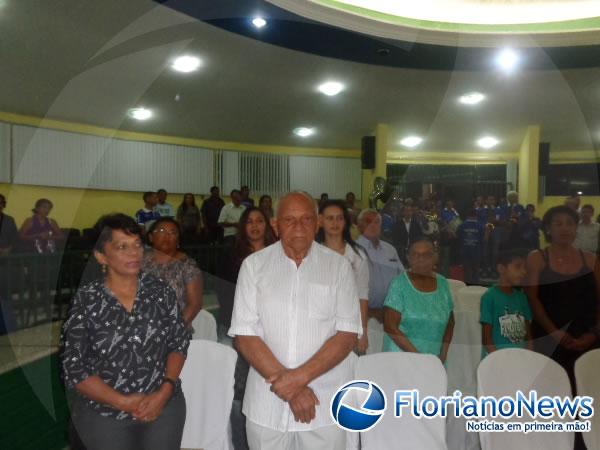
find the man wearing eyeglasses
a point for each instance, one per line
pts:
(296, 319)
(8, 229)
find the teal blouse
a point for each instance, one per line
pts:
(424, 314)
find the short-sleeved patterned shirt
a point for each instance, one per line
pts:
(127, 350)
(177, 272)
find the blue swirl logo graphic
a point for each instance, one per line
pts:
(366, 416)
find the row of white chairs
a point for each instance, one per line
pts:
(208, 379)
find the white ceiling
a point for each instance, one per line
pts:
(491, 12)
(87, 61)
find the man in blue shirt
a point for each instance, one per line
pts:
(471, 236)
(384, 262)
(146, 216)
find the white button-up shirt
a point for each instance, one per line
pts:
(360, 266)
(295, 310)
(231, 213)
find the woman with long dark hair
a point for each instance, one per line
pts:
(334, 233)
(266, 205)
(188, 215)
(255, 234)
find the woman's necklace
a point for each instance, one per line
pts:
(561, 259)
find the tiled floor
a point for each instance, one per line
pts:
(25, 346)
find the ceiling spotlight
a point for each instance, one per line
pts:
(331, 88)
(411, 141)
(472, 98)
(488, 142)
(139, 113)
(304, 131)
(259, 22)
(507, 59)
(186, 64)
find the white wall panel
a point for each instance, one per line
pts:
(56, 158)
(4, 153)
(335, 176)
(231, 172)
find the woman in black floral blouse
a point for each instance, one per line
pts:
(123, 348)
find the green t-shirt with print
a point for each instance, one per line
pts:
(507, 314)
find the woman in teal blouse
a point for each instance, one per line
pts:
(418, 307)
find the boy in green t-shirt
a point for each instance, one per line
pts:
(505, 312)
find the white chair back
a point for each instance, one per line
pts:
(464, 354)
(402, 370)
(205, 326)
(587, 378)
(468, 298)
(207, 382)
(503, 373)
(455, 286)
(375, 333)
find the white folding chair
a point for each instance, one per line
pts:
(375, 333)
(464, 353)
(403, 370)
(587, 378)
(205, 326)
(207, 382)
(503, 373)
(455, 286)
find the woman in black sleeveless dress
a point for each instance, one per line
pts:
(563, 292)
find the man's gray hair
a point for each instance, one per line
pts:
(302, 193)
(364, 213)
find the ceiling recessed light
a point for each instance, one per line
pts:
(139, 113)
(331, 88)
(507, 59)
(259, 22)
(186, 64)
(472, 98)
(304, 131)
(411, 141)
(487, 142)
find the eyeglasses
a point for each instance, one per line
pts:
(166, 231)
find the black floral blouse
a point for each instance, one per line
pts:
(178, 273)
(127, 350)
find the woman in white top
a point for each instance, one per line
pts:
(334, 233)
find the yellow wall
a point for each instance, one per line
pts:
(75, 208)
(528, 166)
(551, 201)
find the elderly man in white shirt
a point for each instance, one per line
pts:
(296, 319)
(384, 262)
